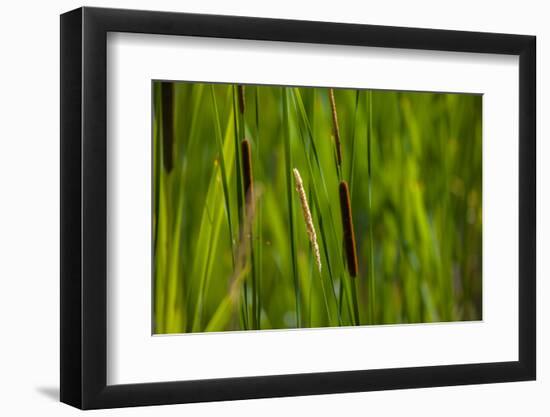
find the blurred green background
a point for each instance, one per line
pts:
(413, 163)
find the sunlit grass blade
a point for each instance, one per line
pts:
(176, 313)
(203, 283)
(224, 312)
(332, 279)
(210, 224)
(219, 141)
(221, 316)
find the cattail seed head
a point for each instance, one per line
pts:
(248, 178)
(336, 130)
(307, 217)
(242, 102)
(349, 234)
(167, 99)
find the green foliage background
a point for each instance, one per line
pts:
(413, 162)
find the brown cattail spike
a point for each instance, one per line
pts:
(336, 130)
(242, 102)
(167, 98)
(349, 234)
(248, 179)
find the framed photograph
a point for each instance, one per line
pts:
(257, 208)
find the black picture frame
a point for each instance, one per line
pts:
(84, 207)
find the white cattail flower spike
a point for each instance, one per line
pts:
(307, 217)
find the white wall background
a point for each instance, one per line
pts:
(29, 208)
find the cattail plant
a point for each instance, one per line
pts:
(248, 178)
(349, 234)
(307, 217)
(167, 98)
(335, 128)
(242, 102)
(249, 209)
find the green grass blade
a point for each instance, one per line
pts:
(219, 142)
(215, 207)
(353, 138)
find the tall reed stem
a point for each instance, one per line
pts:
(349, 233)
(290, 202)
(336, 129)
(237, 136)
(248, 188)
(349, 244)
(258, 238)
(371, 296)
(167, 97)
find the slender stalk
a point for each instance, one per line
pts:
(353, 286)
(259, 238)
(353, 138)
(371, 241)
(290, 202)
(248, 188)
(337, 301)
(248, 178)
(349, 244)
(167, 97)
(237, 135)
(336, 129)
(349, 233)
(158, 322)
(219, 141)
(242, 101)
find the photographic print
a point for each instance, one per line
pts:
(293, 209)
(282, 207)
